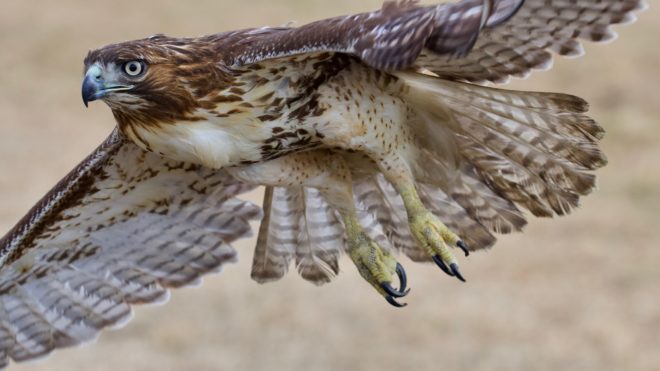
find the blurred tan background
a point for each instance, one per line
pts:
(579, 293)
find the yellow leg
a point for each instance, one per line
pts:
(431, 233)
(329, 173)
(375, 264)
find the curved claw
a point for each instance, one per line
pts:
(394, 302)
(389, 290)
(456, 271)
(403, 279)
(463, 247)
(438, 261)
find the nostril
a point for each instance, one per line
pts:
(97, 77)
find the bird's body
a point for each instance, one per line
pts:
(372, 133)
(263, 112)
(269, 109)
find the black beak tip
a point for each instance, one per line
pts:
(87, 94)
(90, 91)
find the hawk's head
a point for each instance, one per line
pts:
(154, 80)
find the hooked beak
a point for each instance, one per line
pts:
(93, 85)
(96, 87)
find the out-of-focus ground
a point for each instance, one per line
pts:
(578, 293)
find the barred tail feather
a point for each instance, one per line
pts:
(320, 240)
(298, 224)
(277, 239)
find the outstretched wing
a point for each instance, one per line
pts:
(525, 42)
(120, 229)
(474, 40)
(389, 38)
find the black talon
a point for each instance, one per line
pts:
(394, 302)
(457, 273)
(463, 247)
(387, 287)
(438, 261)
(403, 279)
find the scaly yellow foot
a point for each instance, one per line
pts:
(435, 237)
(377, 266)
(430, 233)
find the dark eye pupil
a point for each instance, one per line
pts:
(133, 68)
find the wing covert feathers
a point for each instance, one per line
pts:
(390, 38)
(123, 227)
(469, 40)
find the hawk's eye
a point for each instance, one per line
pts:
(134, 68)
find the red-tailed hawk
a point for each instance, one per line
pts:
(372, 133)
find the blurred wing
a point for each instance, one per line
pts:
(473, 40)
(120, 229)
